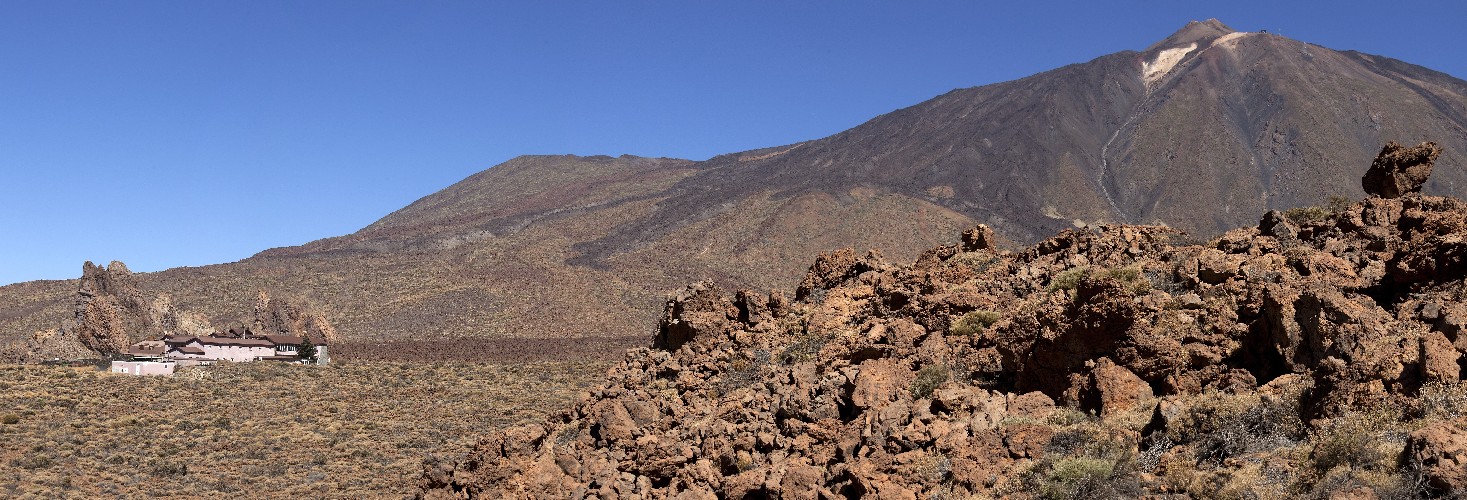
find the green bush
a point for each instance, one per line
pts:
(1077, 477)
(929, 378)
(1310, 215)
(10, 419)
(974, 322)
(1068, 279)
(1129, 276)
(1351, 445)
(1306, 215)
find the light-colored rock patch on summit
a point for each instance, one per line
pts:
(1228, 38)
(1164, 62)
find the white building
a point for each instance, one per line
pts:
(160, 357)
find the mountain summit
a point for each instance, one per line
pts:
(1200, 32)
(1196, 132)
(1201, 132)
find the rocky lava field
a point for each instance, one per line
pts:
(1318, 354)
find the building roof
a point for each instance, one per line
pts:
(188, 349)
(186, 339)
(146, 348)
(238, 342)
(279, 339)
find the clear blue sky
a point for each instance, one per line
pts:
(167, 134)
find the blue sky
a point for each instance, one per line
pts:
(186, 133)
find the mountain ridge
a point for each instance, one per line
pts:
(567, 246)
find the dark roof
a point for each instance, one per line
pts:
(245, 342)
(238, 342)
(278, 339)
(188, 349)
(146, 348)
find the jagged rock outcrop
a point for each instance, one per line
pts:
(112, 314)
(1399, 170)
(1107, 361)
(276, 315)
(110, 310)
(867, 384)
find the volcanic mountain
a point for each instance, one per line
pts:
(1201, 131)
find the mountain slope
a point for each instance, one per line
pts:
(1122, 138)
(1201, 131)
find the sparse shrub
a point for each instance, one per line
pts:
(33, 462)
(1155, 447)
(1076, 477)
(1224, 426)
(1072, 441)
(975, 261)
(804, 349)
(1306, 215)
(1087, 458)
(1444, 401)
(1312, 214)
(10, 419)
(1129, 276)
(974, 322)
(935, 467)
(568, 434)
(160, 467)
(1068, 279)
(743, 371)
(1066, 416)
(1349, 441)
(929, 378)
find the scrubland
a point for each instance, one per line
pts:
(354, 429)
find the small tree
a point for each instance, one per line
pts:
(307, 350)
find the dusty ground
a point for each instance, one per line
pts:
(352, 429)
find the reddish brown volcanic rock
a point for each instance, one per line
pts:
(975, 371)
(1399, 170)
(110, 311)
(1441, 449)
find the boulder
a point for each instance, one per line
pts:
(1439, 359)
(699, 309)
(1440, 450)
(1117, 389)
(1400, 170)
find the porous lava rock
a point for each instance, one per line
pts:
(110, 310)
(1115, 360)
(1400, 170)
(275, 315)
(1441, 451)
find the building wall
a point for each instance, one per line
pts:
(236, 353)
(163, 368)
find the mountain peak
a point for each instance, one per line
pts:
(1193, 32)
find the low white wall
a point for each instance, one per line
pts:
(163, 368)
